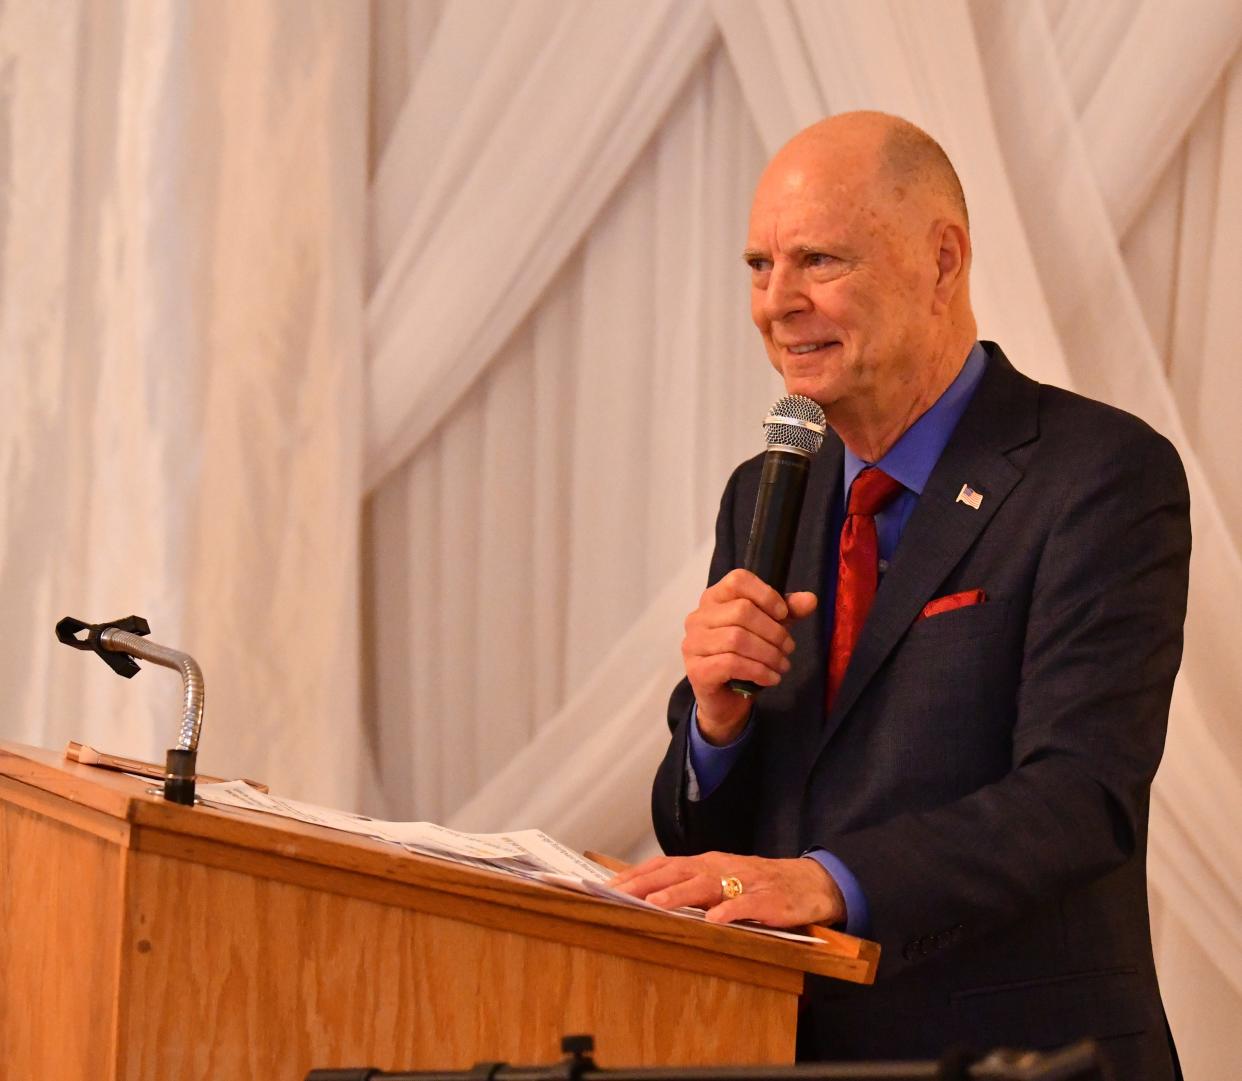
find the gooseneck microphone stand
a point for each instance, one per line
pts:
(1078, 1062)
(118, 642)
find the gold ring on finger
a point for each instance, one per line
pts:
(731, 887)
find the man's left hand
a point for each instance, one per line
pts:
(779, 893)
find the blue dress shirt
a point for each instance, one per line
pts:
(910, 461)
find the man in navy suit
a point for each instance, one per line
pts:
(971, 786)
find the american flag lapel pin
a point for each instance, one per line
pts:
(972, 499)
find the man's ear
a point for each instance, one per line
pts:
(952, 260)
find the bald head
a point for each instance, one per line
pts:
(882, 148)
(860, 252)
(912, 158)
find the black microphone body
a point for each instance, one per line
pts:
(782, 486)
(778, 505)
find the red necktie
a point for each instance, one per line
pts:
(858, 571)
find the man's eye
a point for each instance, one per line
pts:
(758, 265)
(819, 259)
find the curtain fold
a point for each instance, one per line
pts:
(461, 284)
(1210, 407)
(183, 198)
(1160, 73)
(601, 757)
(602, 433)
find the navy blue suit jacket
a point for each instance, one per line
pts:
(985, 773)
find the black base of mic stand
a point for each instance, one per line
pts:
(1078, 1062)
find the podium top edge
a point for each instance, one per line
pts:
(122, 810)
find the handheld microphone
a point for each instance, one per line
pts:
(794, 428)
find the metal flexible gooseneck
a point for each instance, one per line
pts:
(116, 640)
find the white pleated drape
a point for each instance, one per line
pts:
(181, 212)
(479, 412)
(555, 503)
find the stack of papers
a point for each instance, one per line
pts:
(524, 853)
(529, 854)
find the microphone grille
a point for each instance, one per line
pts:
(795, 422)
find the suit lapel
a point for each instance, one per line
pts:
(1001, 416)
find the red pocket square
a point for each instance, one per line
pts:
(954, 600)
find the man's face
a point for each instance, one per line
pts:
(841, 285)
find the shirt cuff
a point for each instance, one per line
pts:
(857, 914)
(706, 765)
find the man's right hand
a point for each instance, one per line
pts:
(738, 631)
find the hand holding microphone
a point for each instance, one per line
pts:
(737, 640)
(738, 632)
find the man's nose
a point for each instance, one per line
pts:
(784, 295)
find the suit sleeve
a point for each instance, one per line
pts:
(1102, 645)
(724, 819)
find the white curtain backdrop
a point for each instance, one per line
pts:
(182, 206)
(517, 364)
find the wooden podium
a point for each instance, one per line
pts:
(144, 940)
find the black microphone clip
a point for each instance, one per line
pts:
(86, 636)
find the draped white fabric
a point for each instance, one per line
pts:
(545, 513)
(527, 344)
(181, 333)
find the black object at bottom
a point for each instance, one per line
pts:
(1078, 1062)
(179, 767)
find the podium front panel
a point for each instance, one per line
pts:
(140, 939)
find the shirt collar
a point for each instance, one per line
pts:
(912, 458)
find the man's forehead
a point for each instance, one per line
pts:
(808, 203)
(818, 168)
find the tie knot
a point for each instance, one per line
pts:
(872, 491)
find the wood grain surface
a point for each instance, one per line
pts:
(140, 939)
(296, 977)
(59, 960)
